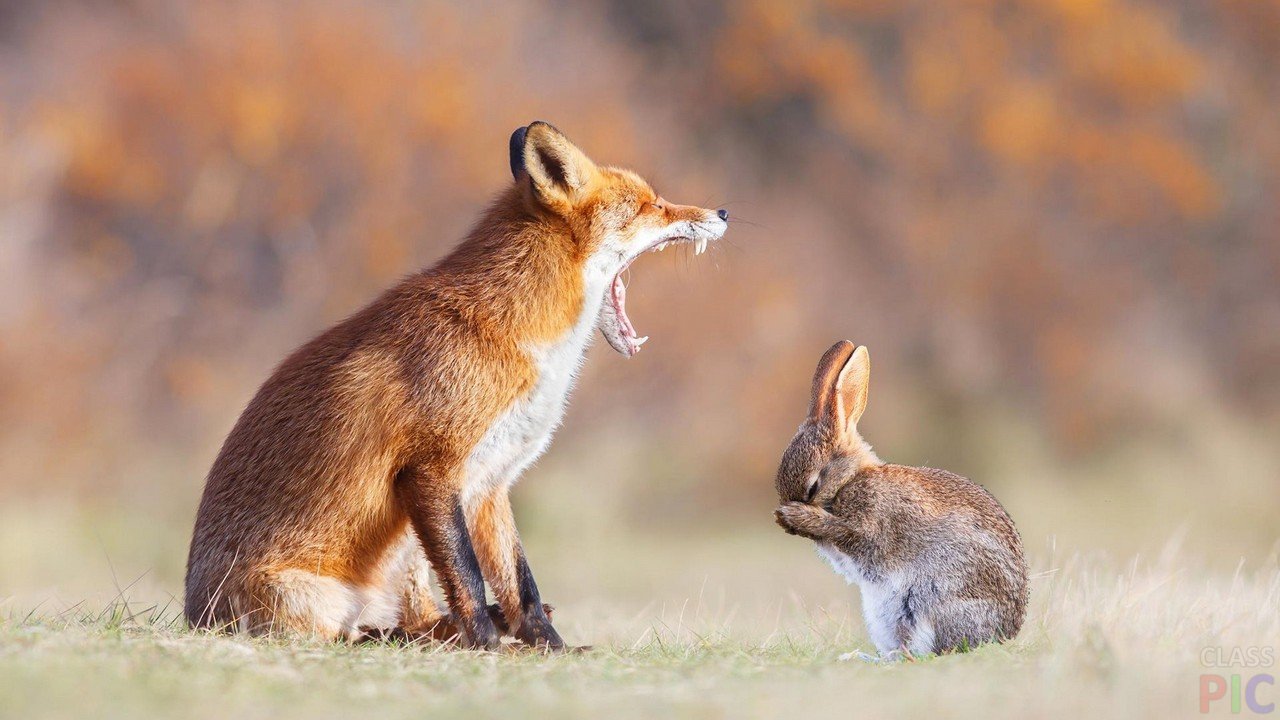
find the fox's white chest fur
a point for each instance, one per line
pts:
(524, 430)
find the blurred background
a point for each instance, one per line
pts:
(1054, 222)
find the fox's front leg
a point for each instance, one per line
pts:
(493, 529)
(808, 521)
(434, 506)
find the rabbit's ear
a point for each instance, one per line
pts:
(825, 399)
(852, 384)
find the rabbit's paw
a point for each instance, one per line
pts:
(889, 658)
(801, 519)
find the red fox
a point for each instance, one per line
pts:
(386, 446)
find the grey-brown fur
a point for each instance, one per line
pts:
(938, 559)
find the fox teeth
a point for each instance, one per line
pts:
(701, 247)
(640, 341)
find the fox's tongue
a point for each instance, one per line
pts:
(614, 323)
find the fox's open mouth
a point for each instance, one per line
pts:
(614, 323)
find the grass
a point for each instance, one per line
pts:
(697, 605)
(1103, 639)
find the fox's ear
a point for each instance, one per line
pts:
(852, 385)
(824, 400)
(556, 169)
(515, 151)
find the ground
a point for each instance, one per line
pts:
(1103, 639)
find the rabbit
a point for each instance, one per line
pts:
(938, 560)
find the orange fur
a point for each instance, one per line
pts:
(369, 433)
(494, 532)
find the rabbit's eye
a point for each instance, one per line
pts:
(812, 489)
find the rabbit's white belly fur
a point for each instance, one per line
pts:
(882, 605)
